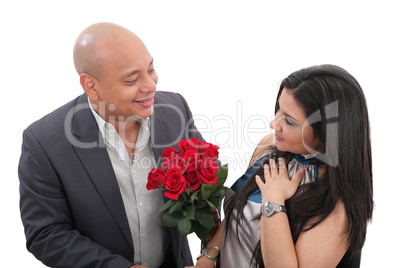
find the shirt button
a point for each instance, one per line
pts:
(141, 204)
(143, 235)
(134, 171)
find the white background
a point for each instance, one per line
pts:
(227, 59)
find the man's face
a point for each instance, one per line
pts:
(127, 81)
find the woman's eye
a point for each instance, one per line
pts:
(289, 121)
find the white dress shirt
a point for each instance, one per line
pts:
(150, 238)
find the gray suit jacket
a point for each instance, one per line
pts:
(70, 202)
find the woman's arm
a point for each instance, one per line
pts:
(322, 246)
(261, 149)
(326, 243)
(216, 241)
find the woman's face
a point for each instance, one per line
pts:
(292, 131)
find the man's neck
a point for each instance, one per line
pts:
(128, 131)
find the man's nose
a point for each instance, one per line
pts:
(149, 85)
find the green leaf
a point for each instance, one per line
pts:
(211, 205)
(200, 204)
(167, 205)
(190, 212)
(205, 191)
(184, 197)
(169, 220)
(220, 193)
(194, 196)
(222, 175)
(215, 201)
(205, 217)
(200, 230)
(187, 191)
(184, 226)
(176, 206)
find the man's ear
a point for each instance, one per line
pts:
(88, 84)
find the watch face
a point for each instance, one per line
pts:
(268, 209)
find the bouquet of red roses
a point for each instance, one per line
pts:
(193, 182)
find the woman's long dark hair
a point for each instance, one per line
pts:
(335, 106)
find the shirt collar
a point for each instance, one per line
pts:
(99, 120)
(145, 124)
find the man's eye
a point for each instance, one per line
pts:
(132, 81)
(151, 71)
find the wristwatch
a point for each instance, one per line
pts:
(270, 208)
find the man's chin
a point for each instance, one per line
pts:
(151, 111)
(146, 113)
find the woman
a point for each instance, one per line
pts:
(319, 217)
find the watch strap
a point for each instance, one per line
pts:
(275, 208)
(280, 208)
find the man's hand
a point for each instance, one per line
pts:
(137, 266)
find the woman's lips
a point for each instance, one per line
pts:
(278, 138)
(145, 103)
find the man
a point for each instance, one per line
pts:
(83, 168)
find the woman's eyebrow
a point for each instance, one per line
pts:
(294, 119)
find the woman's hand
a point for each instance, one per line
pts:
(277, 187)
(202, 264)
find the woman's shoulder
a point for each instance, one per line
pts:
(263, 147)
(267, 140)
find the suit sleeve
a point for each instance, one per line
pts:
(45, 214)
(192, 130)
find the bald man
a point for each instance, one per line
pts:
(83, 168)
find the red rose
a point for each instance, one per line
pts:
(190, 144)
(191, 158)
(168, 151)
(175, 183)
(193, 178)
(151, 184)
(172, 158)
(156, 178)
(209, 151)
(208, 171)
(166, 155)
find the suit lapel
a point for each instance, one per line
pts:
(97, 163)
(167, 133)
(157, 124)
(163, 135)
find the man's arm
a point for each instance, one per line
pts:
(191, 129)
(45, 213)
